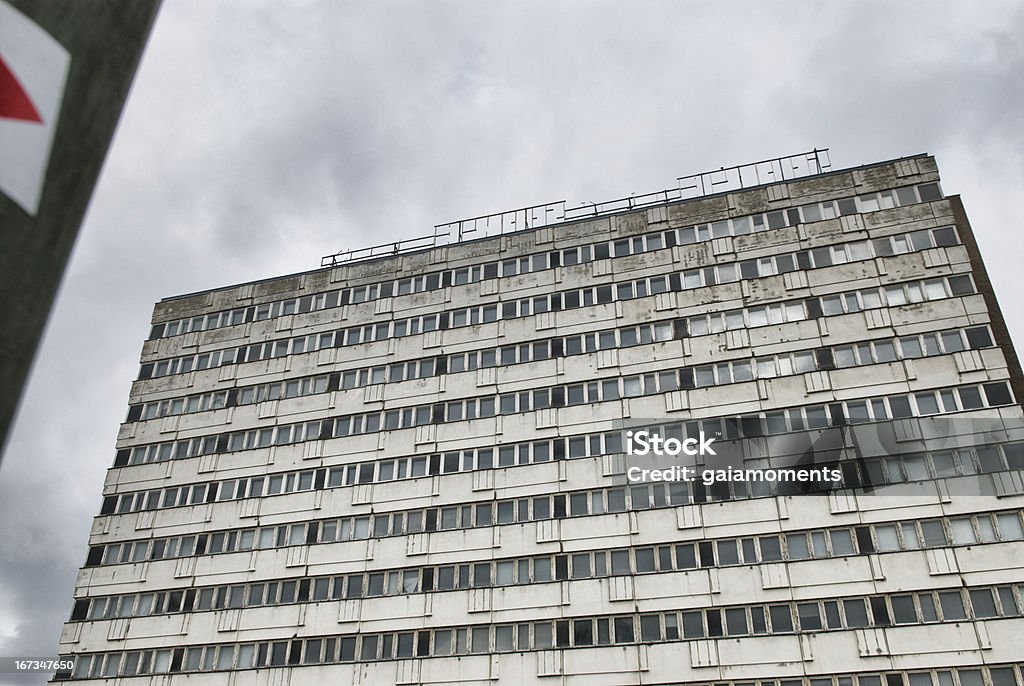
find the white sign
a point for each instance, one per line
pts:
(33, 73)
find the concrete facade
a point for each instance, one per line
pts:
(409, 470)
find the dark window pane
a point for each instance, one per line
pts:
(952, 606)
(961, 285)
(693, 624)
(856, 613)
(979, 338)
(624, 630)
(998, 394)
(782, 619)
(810, 617)
(983, 603)
(929, 192)
(650, 628)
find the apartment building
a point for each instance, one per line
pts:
(408, 466)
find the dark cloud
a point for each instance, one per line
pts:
(262, 136)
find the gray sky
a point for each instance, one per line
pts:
(262, 135)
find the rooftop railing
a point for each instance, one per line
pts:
(721, 180)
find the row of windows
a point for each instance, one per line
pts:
(213, 400)
(817, 258)
(830, 305)
(697, 325)
(542, 261)
(216, 400)
(942, 464)
(980, 675)
(830, 209)
(840, 614)
(415, 369)
(404, 467)
(399, 468)
(893, 295)
(910, 608)
(242, 315)
(912, 347)
(964, 461)
(866, 353)
(596, 501)
(751, 550)
(926, 402)
(536, 351)
(571, 299)
(889, 350)
(917, 404)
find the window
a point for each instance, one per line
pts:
(856, 613)
(983, 603)
(736, 621)
(781, 618)
(903, 609)
(952, 605)
(797, 546)
(810, 618)
(623, 630)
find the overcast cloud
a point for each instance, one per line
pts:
(262, 135)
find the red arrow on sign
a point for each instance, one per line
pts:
(14, 101)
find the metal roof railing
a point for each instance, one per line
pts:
(722, 180)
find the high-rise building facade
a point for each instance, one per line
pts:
(411, 467)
